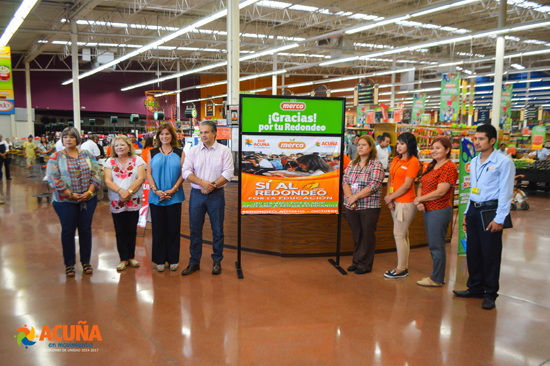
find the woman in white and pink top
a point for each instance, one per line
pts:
(124, 176)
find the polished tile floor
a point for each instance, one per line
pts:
(286, 311)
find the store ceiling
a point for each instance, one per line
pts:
(120, 27)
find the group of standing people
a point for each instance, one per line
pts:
(74, 175)
(492, 175)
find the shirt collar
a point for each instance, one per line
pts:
(213, 147)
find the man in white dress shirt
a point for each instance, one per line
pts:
(382, 150)
(208, 167)
(91, 145)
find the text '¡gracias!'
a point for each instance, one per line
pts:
(292, 122)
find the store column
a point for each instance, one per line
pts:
(76, 82)
(30, 122)
(499, 65)
(392, 99)
(274, 77)
(233, 52)
(178, 96)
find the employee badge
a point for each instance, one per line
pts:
(476, 190)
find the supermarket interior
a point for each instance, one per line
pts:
(286, 89)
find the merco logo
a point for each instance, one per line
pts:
(291, 145)
(293, 106)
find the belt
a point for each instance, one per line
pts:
(483, 204)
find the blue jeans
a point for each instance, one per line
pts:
(72, 217)
(437, 224)
(199, 205)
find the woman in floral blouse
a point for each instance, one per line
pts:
(74, 176)
(124, 176)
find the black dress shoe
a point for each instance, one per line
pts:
(217, 268)
(467, 293)
(488, 304)
(352, 268)
(190, 269)
(361, 271)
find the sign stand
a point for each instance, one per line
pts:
(296, 125)
(336, 263)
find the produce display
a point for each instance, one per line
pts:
(522, 163)
(543, 165)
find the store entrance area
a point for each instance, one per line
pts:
(286, 311)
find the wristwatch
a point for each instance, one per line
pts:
(214, 184)
(131, 192)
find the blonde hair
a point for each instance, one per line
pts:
(373, 153)
(124, 138)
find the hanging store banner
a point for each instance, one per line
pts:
(506, 105)
(290, 151)
(419, 105)
(471, 98)
(7, 105)
(288, 175)
(450, 97)
(284, 115)
(464, 102)
(538, 137)
(467, 153)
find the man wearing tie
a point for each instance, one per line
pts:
(492, 183)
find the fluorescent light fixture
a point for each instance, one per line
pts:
(338, 61)
(299, 84)
(188, 72)
(393, 71)
(263, 75)
(18, 18)
(541, 88)
(159, 42)
(530, 26)
(518, 66)
(451, 64)
(377, 24)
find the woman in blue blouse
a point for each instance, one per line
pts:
(74, 176)
(164, 164)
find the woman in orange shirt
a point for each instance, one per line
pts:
(400, 199)
(148, 146)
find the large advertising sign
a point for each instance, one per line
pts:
(467, 153)
(287, 175)
(290, 155)
(7, 105)
(538, 137)
(450, 97)
(419, 105)
(286, 115)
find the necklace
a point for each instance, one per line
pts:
(168, 153)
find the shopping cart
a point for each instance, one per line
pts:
(41, 177)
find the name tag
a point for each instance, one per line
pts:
(391, 190)
(355, 186)
(404, 167)
(476, 190)
(492, 168)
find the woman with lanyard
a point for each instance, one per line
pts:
(400, 199)
(434, 199)
(44, 148)
(164, 175)
(362, 187)
(124, 176)
(74, 176)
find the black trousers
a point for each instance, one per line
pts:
(363, 229)
(166, 233)
(126, 232)
(6, 163)
(483, 255)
